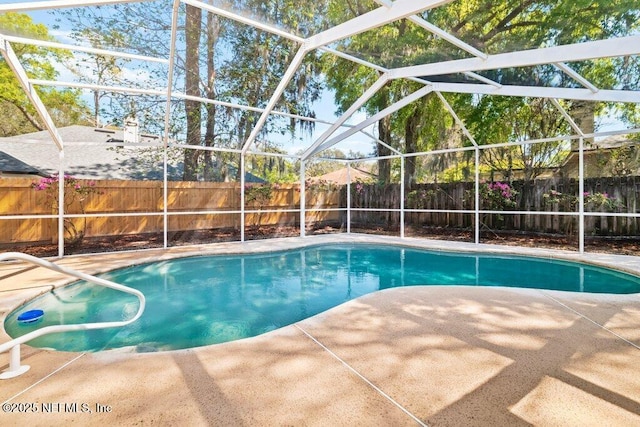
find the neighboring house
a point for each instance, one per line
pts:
(91, 153)
(340, 176)
(613, 156)
(10, 167)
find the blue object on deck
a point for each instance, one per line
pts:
(30, 316)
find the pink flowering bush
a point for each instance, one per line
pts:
(75, 192)
(601, 201)
(497, 196)
(591, 200)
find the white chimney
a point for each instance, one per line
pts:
(131, 130)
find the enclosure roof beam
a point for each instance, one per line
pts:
(119, 89)
(60, 4)
(85, 49)
(371, 120)
(621, 46)
(482, 79)
(567, 117)
(376, 18)
(167, 111)
(244, 20)
(367, 63)
(542, 92)
(20, 73)
(373, 89)
(439, 32)
(457, 119)
(179, 95)
(353, 59)
(577, 77)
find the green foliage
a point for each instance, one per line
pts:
(320, 185)
(255, 62)
(592, 201)
(274, 169)
(65, 106)
(624, 161)
(419, 199)
(493, 28)
(257, 195)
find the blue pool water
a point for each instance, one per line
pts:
(198, 301)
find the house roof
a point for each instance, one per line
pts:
(597, 157)
(11, 165)
(340, 176)
(90, 153)
(78, 133)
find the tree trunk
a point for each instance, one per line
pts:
(96, 108)
(411, 146)
(384, 165)
(213, 32)
(192, 87)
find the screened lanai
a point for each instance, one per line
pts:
(179, 122)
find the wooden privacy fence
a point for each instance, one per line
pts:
(621, 194)
(145, 200)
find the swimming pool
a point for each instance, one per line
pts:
(199, 301)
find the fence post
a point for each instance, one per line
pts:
(303, 201)
(61, 203)
(402, 197)
(581, 195)
(242, 197)
(477, 197)
(348, 197)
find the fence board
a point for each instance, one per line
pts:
(459, 196)
(17, 197)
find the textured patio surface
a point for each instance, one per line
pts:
(437, 356)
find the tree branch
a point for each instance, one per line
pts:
(25, 113)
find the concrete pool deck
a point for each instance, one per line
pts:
(440, 356)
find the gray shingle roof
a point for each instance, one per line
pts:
(89, 153)
(9, 164)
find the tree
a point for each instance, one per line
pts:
(193, 28)
(497, 119)
(138, 28)
(102, 70)
(217, 59)
(492, 28)
(256, 62)
(64, 106)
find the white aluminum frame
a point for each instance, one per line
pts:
(389, 11)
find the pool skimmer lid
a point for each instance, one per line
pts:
(30, 316)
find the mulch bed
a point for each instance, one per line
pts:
(619, 246)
